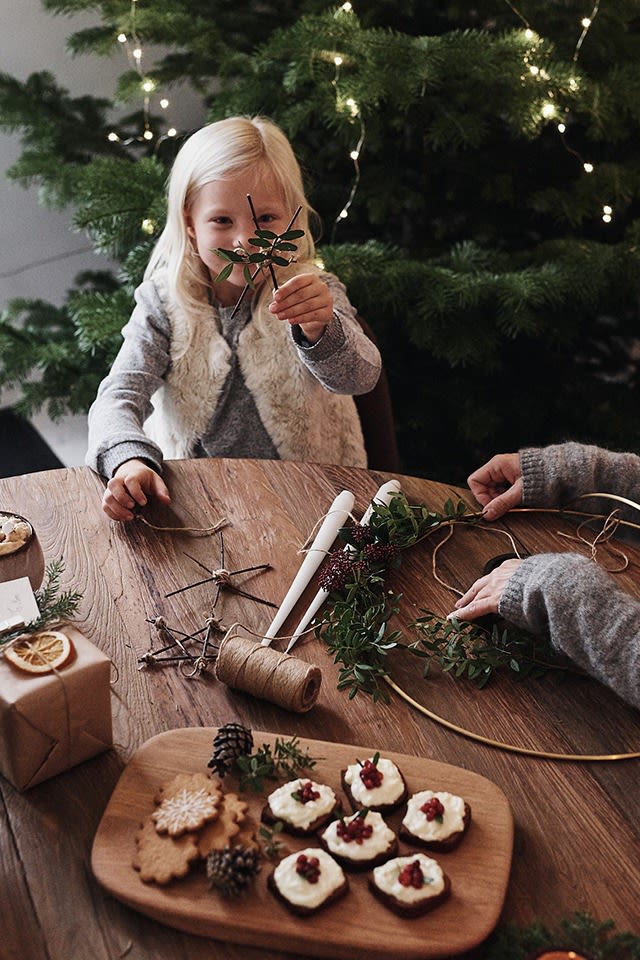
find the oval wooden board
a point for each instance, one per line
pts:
(357, 925)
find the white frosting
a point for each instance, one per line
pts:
(284, 807)
(386, 879)
(379, 841)
(390, 790)
(416, 822)
(298, 890)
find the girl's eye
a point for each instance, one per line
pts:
(267, 218)
(223, 221)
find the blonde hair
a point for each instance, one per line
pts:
(222, 151)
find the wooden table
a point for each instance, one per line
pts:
(576, 843)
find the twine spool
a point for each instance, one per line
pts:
(268, 674)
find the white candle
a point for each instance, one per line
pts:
(336, 517)
(386, 492)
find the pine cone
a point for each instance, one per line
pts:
(231, 870)
(232, 740)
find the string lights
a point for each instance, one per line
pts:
(130, 41)
(549, 109)
(349, 106)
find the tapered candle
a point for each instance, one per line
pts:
(386, 492)
(336, 517)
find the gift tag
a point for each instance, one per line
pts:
(17, 604)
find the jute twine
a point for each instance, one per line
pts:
(244, 664)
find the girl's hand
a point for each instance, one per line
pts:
(131, 485)
(304, 300)
(485, 594)
(498, 485)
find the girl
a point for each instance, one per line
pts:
(192, 379)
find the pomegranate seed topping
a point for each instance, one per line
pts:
(306, 793)
(433, 809)
(370, 775)
(355, 829)
(308, 867)
(411, 875)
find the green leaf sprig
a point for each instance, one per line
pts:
(274, 249)
(285, 762)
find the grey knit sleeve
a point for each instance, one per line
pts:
(123, 401)
(581, 609)
(556, 474)
(344, 359)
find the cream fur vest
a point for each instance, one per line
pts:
(305, 421)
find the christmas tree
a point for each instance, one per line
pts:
(475, 168)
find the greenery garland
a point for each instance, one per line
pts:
(355, 627)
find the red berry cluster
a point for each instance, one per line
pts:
(355, 829)
(306, 793)
(339, 570)
(370, 775)
(411, 875)
(384, 553)
(308, 867)
(433, 809)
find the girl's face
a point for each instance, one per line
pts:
(220, 217)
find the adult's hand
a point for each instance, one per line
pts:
(497, 485)
(483, 597)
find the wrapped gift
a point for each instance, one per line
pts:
(52, 721)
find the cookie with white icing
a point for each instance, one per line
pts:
(375, 783)
(307, 881)
(435, 820)
(361, 841)
(410, 886)
(302, 806)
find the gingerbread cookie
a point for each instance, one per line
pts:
(219, 833)
(160, 857)
(186, 804)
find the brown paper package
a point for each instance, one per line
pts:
(51, 722)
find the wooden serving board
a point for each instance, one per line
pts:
(357, 925)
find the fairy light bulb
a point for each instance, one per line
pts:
(548, 110)
(528, 34)
(354, 154)
(148, 226)
(588, 167)
(113, 137)
(137, 54)
(148, 135)
(534, 71)
(148, 85)
(122, 38)
(346, 7)
(164, 103)
(337, 61)
(172, 132)
(343, 214)
(585, 22)
(561, 128)
(607, 213)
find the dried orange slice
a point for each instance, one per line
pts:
(40, 652)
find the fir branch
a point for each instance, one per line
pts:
(53, 605)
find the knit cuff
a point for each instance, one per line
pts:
(331, 340)
(533, 475)
(111, 459)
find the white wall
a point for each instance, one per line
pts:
(39, 253)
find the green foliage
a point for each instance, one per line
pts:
(474, 244)
(580, 932)
(285, 762)
(53, 605)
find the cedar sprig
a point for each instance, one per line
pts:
(284, 762)
(53, 606)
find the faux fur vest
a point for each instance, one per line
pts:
(305, 421)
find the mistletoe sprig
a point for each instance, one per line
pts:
(53, 605)
(274, 249)
(356, 628)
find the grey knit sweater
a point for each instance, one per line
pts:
(243, 387)
(566, 596)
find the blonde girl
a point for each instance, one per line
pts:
(195, 376)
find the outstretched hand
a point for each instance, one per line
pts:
(131, 485)
(304, 300)
(483, 597)
(497, 485)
